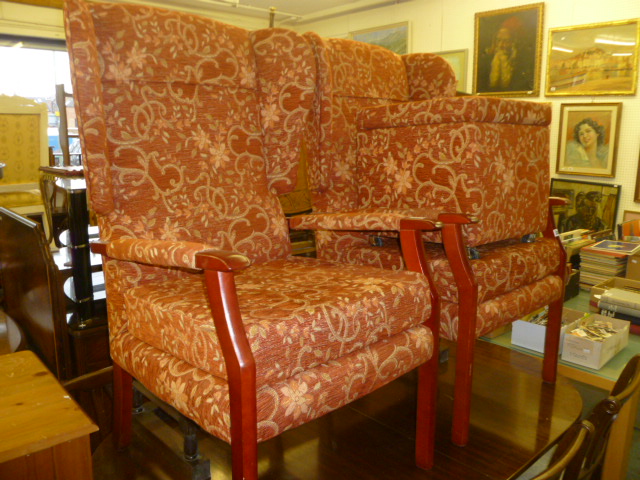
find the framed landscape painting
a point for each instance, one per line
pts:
(508, 45)
(394, 37)
(458, 61)
(596, 59)
(587, 142)
(592, 206)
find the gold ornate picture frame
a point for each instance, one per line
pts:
(588, 139)
(508, 45)
(595, 59)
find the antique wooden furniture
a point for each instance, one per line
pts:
(573, 444)
(34, 298)
(186, 142)
(391, 133)
(43, 432)
(603, 417)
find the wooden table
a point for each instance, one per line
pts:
(43, 432)
(619, 447)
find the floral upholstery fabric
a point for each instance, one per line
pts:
(429, 76)
(497, 172)
(485, 157)
(285, 78)
(283, 405)
(298, 313)
(504, 309)
(188, 128)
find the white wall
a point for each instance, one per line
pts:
(440, 25)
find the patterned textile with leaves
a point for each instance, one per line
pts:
(392, 134)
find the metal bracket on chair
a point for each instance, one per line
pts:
(473, 253)
(199, 467)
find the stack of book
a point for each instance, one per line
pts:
(603, 260)
(574, 240)
(621, 300)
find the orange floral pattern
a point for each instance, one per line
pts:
(429, 76)
(327, 305)
(485, 157)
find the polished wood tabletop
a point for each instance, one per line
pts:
(515, 417)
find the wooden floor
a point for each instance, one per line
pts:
(373, 437)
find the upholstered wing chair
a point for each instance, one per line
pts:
(190, 128)
(392, 133)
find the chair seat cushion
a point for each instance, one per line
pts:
(503, 309)
(502, 267)
(299, 313)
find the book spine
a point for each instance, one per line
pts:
(611, 300)
(618, 309)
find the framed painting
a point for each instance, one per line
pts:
(630, 215)
(458, 61)
(394, 37)
(636, 195)
(592, 206)
(507, 51)
(595, 59)
(588, 138)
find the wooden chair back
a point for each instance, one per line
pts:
(572, 446)
(602, 417)
(33, 291)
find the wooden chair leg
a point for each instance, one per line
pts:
(552, 342)
(244, 444)
(426, 411)
(122, 406)
(462, 392)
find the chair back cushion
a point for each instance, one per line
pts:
(172, 128)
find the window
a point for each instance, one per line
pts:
(32, 68)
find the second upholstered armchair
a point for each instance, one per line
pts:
(391, 133)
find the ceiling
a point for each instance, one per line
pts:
(295, 11)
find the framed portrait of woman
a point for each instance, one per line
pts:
(588, 139)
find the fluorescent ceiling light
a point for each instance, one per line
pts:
(621, 54)
(614, 42)
(560, 49)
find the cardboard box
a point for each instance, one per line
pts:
(531, 335)
(617, 282)
(633, 267)
(595, 354)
